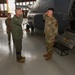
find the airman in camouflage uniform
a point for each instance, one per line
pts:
(51, 30)
(8, 27)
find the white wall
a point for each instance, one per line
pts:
(11, 4)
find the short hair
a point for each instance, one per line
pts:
(18, 8)
(9, 13)
(51, 9)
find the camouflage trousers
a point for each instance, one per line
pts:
(49, 40)
(9, 36)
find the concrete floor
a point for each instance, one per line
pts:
(33, 50)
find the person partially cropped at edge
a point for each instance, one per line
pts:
(8, 27)
(51, 31)
(17, 34)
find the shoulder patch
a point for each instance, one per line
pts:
(56, 24)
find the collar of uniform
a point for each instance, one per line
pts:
(52, 17)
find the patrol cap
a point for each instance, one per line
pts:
(51, 9)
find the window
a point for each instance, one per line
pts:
(20, 3)
(1, 5)
(27, 3)
(24, 3)
(31, 2)
(17, 3)
(5, 6)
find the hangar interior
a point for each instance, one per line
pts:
(33, 48)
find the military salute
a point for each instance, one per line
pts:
(17, 34)
(51, 30)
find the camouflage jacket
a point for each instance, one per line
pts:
(8, 22)
(51, 25)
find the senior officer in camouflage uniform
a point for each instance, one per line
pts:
(51, 30)
(17, 34)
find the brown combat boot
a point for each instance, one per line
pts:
(48, 57)
(22, 57)
(19, 56)
(21, 60)
(45, 55)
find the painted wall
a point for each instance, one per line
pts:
(11, 5)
